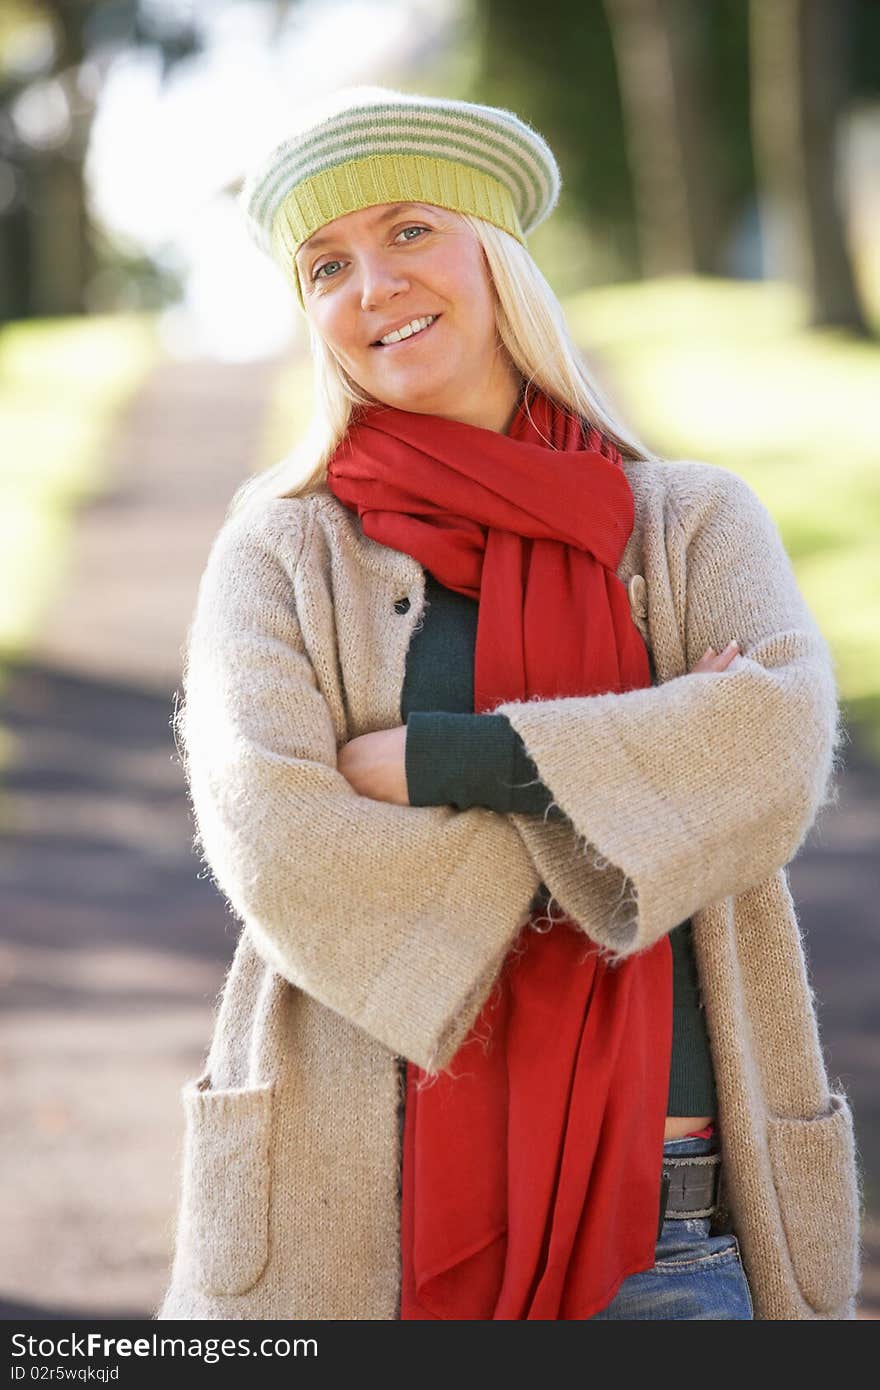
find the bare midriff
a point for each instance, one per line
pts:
(679, 1125)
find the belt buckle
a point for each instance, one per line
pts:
(703, 1195)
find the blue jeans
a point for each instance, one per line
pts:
(695, 1275)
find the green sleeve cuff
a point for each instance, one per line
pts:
(465, 760)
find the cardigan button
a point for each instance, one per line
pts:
(638, 596)
(402, 605)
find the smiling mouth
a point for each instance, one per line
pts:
(400, 343)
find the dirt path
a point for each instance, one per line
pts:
(113, 949)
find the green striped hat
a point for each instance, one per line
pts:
(366, 145)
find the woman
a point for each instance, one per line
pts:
(462, 660)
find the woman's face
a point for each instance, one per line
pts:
(379, 268)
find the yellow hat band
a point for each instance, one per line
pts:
(388, 178)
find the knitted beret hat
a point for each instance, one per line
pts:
(367, 145)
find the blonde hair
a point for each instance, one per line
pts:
(531, 325)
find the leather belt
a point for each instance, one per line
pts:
(689, 1187)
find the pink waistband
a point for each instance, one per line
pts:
(702, 1133)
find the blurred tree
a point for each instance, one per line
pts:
(643, 53)
(554, 65)
(648, 114)
(801, 76)
(651, 115)
(660, 51)
(54, 55)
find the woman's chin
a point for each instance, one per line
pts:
(419, 392)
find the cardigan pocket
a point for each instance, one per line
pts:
(815, 1176)
(223, 1232)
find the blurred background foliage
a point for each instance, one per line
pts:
(716, 246)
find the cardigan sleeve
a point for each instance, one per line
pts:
(463, 760)
(398, 918)
(702, 786)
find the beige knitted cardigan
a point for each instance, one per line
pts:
(371, 930)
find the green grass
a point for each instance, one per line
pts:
(729, 372)
(63, 383)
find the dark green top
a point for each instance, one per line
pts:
(457, 758)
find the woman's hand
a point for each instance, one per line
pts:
(717, 661)
(375, 765)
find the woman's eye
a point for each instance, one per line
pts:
(415, 227)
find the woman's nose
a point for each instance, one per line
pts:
(380, 281)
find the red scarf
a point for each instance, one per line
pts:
(531, 1167)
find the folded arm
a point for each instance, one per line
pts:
(463, 760)
(398, 918)
(701, 787)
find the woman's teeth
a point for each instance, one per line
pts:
(409, 330)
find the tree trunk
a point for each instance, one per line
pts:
(799, 83)
(697, 130)
(647, 71)
(62, 257)
(825, 88)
